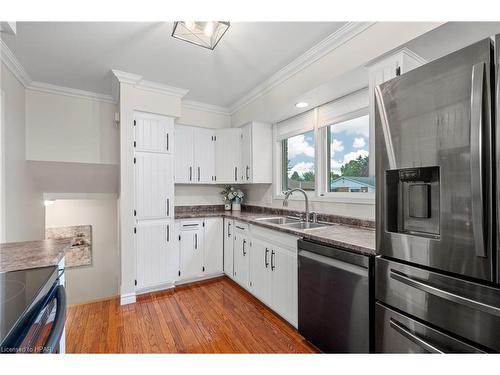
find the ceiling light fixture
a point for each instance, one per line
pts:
(301, 104)
(202, 33)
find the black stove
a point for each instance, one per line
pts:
(23, 295)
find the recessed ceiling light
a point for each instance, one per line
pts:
(301, 104)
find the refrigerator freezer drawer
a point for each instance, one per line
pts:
(466, 309)
(397, 333)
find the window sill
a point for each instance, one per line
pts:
(349, 198)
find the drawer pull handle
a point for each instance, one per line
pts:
(402, 330)
(449, 296)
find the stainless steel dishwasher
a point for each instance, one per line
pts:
(335, 298)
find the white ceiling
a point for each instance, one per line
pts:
(80, 55)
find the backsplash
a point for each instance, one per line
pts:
(278, 211)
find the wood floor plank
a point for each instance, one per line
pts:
(215, 316)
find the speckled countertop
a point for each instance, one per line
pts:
(349, 237)
(16, 256)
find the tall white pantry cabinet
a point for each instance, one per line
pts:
(157, 260)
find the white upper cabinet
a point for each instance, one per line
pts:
(228, 156)
(204, 155)
(256, 153)
(154, 187)
(153, 133)
(183, 156)
(194, 155)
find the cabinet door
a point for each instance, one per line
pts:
(191, 249)
(154, 185)
(184, 146)
(228, 156)
(157, 258)
(153, 133)
(213, 246)
(246, 153)
(204, 155)
(260, 270)
(228, 247)
(241, 264)
(284, 283)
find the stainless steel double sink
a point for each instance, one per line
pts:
(291, 222)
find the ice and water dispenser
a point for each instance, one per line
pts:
(413, 201)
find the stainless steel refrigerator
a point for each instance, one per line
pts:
(438, 276)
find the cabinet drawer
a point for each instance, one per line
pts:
(397, 333)
(190, 224)
(281, 239)
(240, 226)
(444, 301)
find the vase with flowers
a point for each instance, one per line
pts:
(232, 198)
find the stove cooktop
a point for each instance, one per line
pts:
(19, 291)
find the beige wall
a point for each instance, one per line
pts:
(68, 129)
(23, 211)
(101, 278)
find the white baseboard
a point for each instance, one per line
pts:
(128, 298)
(195, 279)
(155, 288)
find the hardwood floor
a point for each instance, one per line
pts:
(215, 316)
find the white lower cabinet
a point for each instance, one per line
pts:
(260, 270)
(241, 254)
(191, 249)
(273, 271)
(213, 246)
(201, 248)
(284, 287)
(157, 256)
(228, 247)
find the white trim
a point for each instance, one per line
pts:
(55, 196)
(66, 91)
(196, 279)
(124, 77)
(128, 298)
(405, 50)
(327, 45)
(13, 64)
(199, 106)
(137, 81)
(155, 288)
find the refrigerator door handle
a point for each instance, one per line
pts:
(402, 330)
(449, 296)
(476, 156)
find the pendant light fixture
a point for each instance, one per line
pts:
(202, 33)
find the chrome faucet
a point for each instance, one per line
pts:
(306, 200)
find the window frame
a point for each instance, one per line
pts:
(321, 192)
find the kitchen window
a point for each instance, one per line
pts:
(348, 156)
(299, 162)
(326, 152)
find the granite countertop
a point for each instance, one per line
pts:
(349, 237)
(16, 256)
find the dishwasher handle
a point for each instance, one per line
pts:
(349, 267)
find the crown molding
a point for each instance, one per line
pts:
(324, 47)
(199, 106)
(137, 81)
(404, 50)
(124, 77)
(66, 91)
(13, 64)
